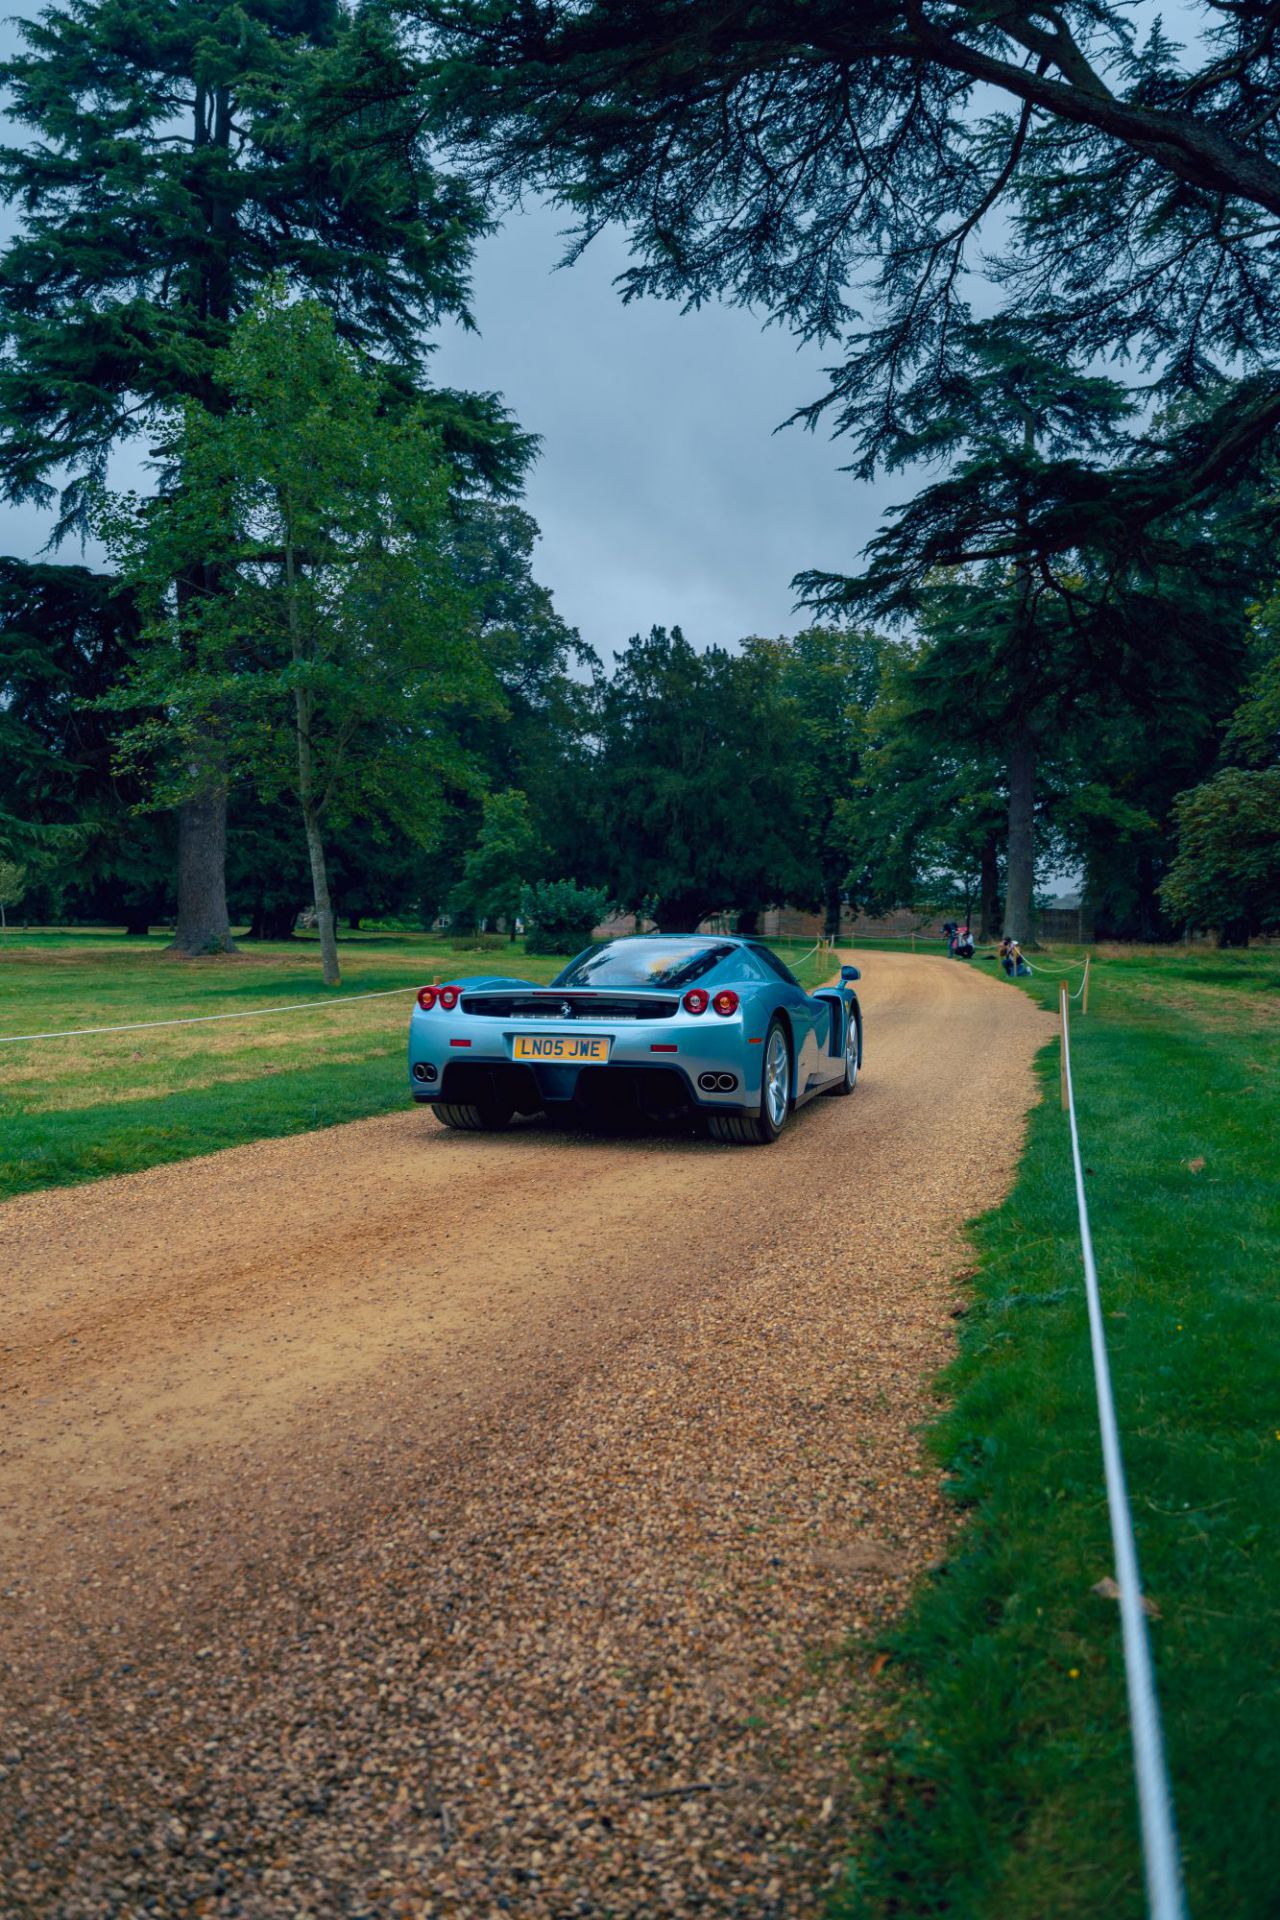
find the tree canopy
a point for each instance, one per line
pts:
(836, 167)
(694, 794)
(176, 157)
(182, 156)
(332, 639)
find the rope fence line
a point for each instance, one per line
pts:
(1165, 1899)
(201, 1019)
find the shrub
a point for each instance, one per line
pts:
(559, 916)
(1227, 871)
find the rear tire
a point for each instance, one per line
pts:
(762, 1128)
(472, 1119)
(852, 1048)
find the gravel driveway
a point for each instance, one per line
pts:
(404, 1523)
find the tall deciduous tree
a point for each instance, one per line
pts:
(538, 746)
(1254, 734)
(506, 858)
(333, 647)
(833, 677)
(698, 808)
(1084, 653)
(930, 824)
(181, 153)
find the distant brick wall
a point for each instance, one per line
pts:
(793, 923)
(1066, 923)
(901, 923)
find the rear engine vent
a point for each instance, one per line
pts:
(572, 1005)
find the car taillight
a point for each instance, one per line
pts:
(449, 998)
(426, 998)
(725, 1002)
(696, 1001)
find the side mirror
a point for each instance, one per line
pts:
(851, 973)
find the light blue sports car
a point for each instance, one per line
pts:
(661, 1026)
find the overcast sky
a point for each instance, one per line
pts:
(663, 493)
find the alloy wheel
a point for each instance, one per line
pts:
(777, 1067)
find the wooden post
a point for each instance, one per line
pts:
(1084, 992)
(1062, 1041)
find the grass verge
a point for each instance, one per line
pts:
(1006, 1787)
(74, 1109)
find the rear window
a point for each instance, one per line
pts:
(643, 963)
(775, 965)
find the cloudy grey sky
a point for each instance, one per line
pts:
(663, 493)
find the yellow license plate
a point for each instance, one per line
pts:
(571, 1047)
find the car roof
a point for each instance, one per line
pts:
(694, 939)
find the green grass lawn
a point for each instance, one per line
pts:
(76, 1108)
(1006, 1790)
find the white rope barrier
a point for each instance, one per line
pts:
(200, 1019)
(1159, 1840)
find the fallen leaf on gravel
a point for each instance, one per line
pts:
(862, 1556)
(1106, 1589)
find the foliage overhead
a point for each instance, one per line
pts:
(840, 167)
(179, 156)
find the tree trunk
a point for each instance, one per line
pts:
(1020, 859)
(833, 913)
(137, 922)
(748, 921)
(353, 921)
(320, 892)
(203, 925)
(304, 713)
(1021, 862)
(315, 841)
(989, 906)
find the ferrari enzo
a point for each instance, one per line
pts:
(661, 1026)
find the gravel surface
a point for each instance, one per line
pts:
(399, 1523)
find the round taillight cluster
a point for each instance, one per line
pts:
(446, 997)
(697, 1000)
(725, 1002)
